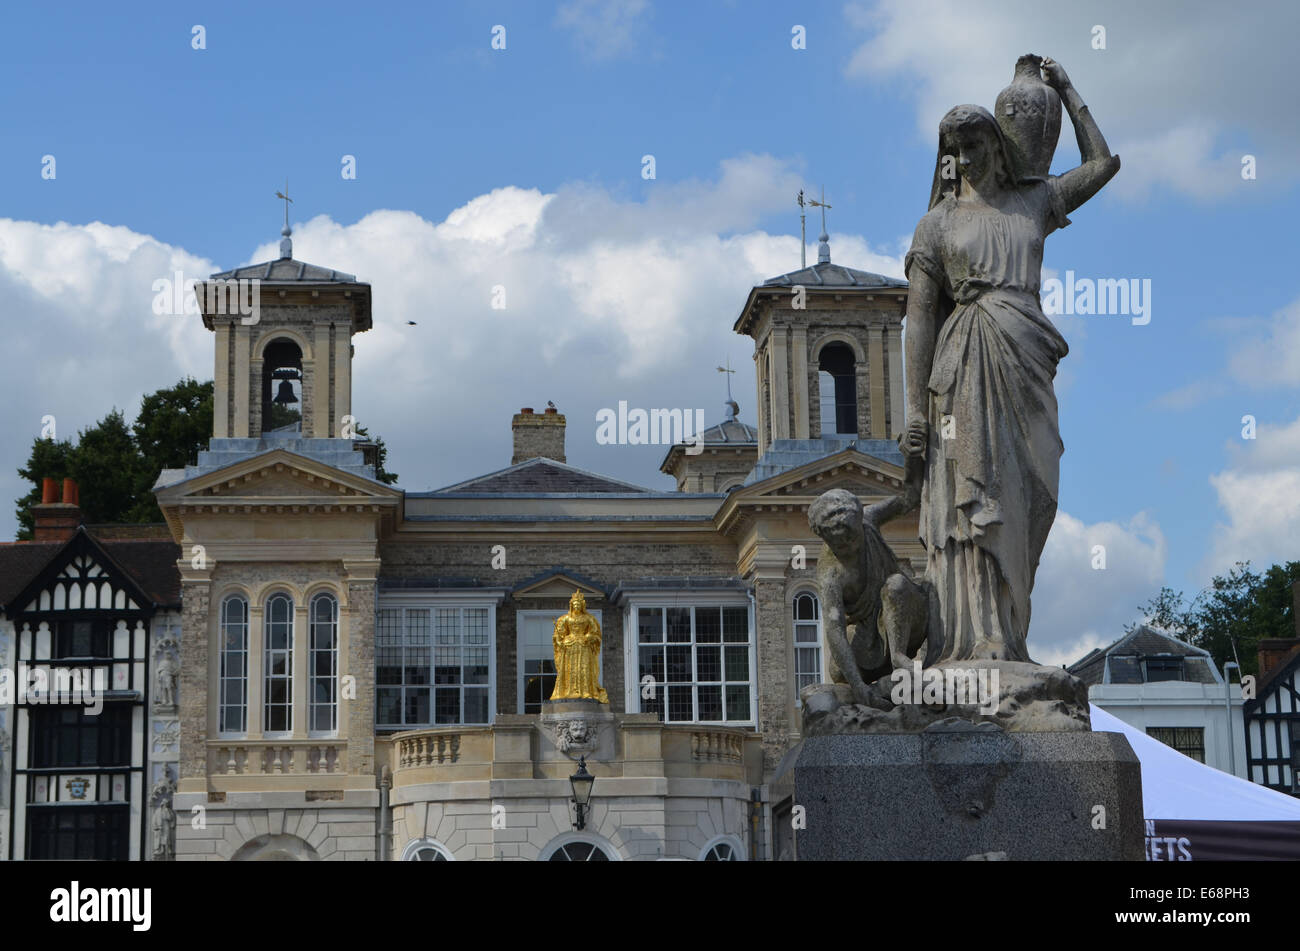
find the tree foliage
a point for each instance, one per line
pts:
(1232, 614)
(116, 465)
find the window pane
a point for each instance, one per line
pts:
(679, 624)
(650, 625)
(737, 702)
(680, 706)
(417, 706)
(388, 705)
(708, 625)
(710, 702)
(678, 664)
(735, 624)
(738, 663)
(708, 663)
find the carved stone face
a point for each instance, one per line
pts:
(578, 731)
(836, 518)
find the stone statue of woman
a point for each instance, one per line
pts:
(981, 358)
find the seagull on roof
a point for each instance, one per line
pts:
(550, 405)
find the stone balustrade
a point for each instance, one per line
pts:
(276, 757)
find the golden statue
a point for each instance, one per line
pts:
(577, 654)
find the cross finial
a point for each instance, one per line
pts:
(824, 247)
(803, 234)
(732, 408)
(286, 245)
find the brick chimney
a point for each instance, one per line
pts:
(538, 434)
(54, 520)
(1273, 652)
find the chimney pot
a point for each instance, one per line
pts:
(49, 490)
(70, 494)
(526, 409)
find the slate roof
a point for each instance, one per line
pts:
(149, 561)
(785, 454)
(286, 270)
(826, 274)
(538, 475)
(1124, 659)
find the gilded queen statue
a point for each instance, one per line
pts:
(577, 654)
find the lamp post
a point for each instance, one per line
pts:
(581, 781)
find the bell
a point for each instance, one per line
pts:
(284, 395)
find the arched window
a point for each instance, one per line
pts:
(232, 703)
(323, 715)
(579, 852)
(426, 850)
(277, 665)
(839, 390)
(282, 387)
(807, 641)
(725, 848)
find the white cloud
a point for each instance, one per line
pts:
(629, 303)
(1077, 607)
(603, 29)
(1259, 493)
(1181, 98)
(1272, 357)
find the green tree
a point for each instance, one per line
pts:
(173, 425)
(48, 459)
(381, 456)
(1232, 614)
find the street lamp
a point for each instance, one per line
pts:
(581, 781)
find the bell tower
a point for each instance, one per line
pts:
(283, 329)
(828, 349)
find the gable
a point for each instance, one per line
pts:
(557, 583)
(541, 476)
(83, 576)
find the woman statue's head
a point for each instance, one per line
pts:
(971, 147)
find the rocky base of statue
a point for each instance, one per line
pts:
(1016, 697)
(966, 791)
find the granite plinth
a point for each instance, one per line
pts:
(942, 795)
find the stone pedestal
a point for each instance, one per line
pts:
(957, 795)
(574, 728)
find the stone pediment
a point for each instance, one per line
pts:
(279, 477)
(558, 584)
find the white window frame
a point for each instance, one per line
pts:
(520, 617)
(737, 847)
(417, 845)
(796, 644)
(312, 677)
(222, 678)
(701, 598)
(569, 838)
(289, 653)
(431, 600)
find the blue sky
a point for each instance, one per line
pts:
(523, 167)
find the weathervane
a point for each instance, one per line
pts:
(286, 246)
(824, 248)
(732, 408)
(803, 239)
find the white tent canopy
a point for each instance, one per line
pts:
(1176, 787)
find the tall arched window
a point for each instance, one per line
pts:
(232, 703)
(277, 665)
(323, 716)
(807, 641)
(839, 390)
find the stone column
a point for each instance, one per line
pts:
(773, 682)
(897, 403)
(799, 380)
(876, 360)
(243, 353)
(357, 715)
(221, 384)
(196, 594)
(254, 398)
(256, 656)
(320, 383)
(300, 638)
(342, 384)
(780, 385)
